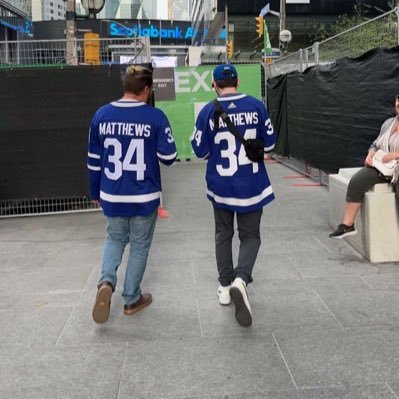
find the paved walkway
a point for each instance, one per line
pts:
(326, 322)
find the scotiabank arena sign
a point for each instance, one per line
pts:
(178, 32)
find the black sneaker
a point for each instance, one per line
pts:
(343, 231)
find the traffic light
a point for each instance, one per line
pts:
(229, 49)
(259, 26)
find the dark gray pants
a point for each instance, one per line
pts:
(363, 180)
(248, 232)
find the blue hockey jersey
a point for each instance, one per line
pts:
(126, 140)
(233, 181)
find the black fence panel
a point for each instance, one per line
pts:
(277, 106)
(335, 112)
(44, 123)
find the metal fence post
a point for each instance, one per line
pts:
(397, 19)
(316, 52)
(300, 60)
(306, 58)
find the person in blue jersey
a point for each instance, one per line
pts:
(127, 140)
(236, 186)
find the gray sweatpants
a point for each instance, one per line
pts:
(248, 225)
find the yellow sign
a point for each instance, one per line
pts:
(229, 49)
(92, 48)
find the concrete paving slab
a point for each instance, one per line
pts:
(164, 247)
(270, 314)
(319, 265)
(381, 391)
(170, 272)
(33, 326)
(156, 322)
(55, 299)
(44, 280)
(7, 302)
(203, 366)
(19, 263)
(349, 357)
(276, 267)
(77, 254)
(383, 280)
(364, 308)
(394, 387)
(59, 373)
(338, 285)
(8, 247)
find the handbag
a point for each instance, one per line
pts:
(254, 148)
(385, 168)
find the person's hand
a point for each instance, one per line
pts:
(389, 157)
(369, 158)
(95, 202)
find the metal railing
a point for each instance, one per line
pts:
(45, 206)
(41, 53)
(382, 31)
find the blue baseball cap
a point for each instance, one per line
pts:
(224, 71)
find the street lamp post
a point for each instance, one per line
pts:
(282, 15)
(282, 22)
(71, 51)
(226, 24)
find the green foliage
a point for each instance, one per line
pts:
(348, 39)
(361, 13)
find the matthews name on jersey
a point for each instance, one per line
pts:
(126, 141)
(233, 181)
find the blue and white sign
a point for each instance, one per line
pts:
(178, 32)
(265, 10)
(22, 26)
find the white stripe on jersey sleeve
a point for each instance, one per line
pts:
(130, 198)
(167, 157)
(95, 168)
(241, 201)
(94, 156)
(268, 149)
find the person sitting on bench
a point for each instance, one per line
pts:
(368, 176)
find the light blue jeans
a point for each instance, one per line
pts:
(138, 231)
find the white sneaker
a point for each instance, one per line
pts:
(224, 295)
(238, 293)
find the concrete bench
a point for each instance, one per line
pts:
(377, 222)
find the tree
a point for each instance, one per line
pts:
(361, 13)
(345, 38)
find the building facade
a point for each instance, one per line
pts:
(304, 18)
(15, 20)
(179, 10)
(48, 10)
(172, 10)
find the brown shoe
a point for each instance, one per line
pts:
(144, 301)
(103, 302)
